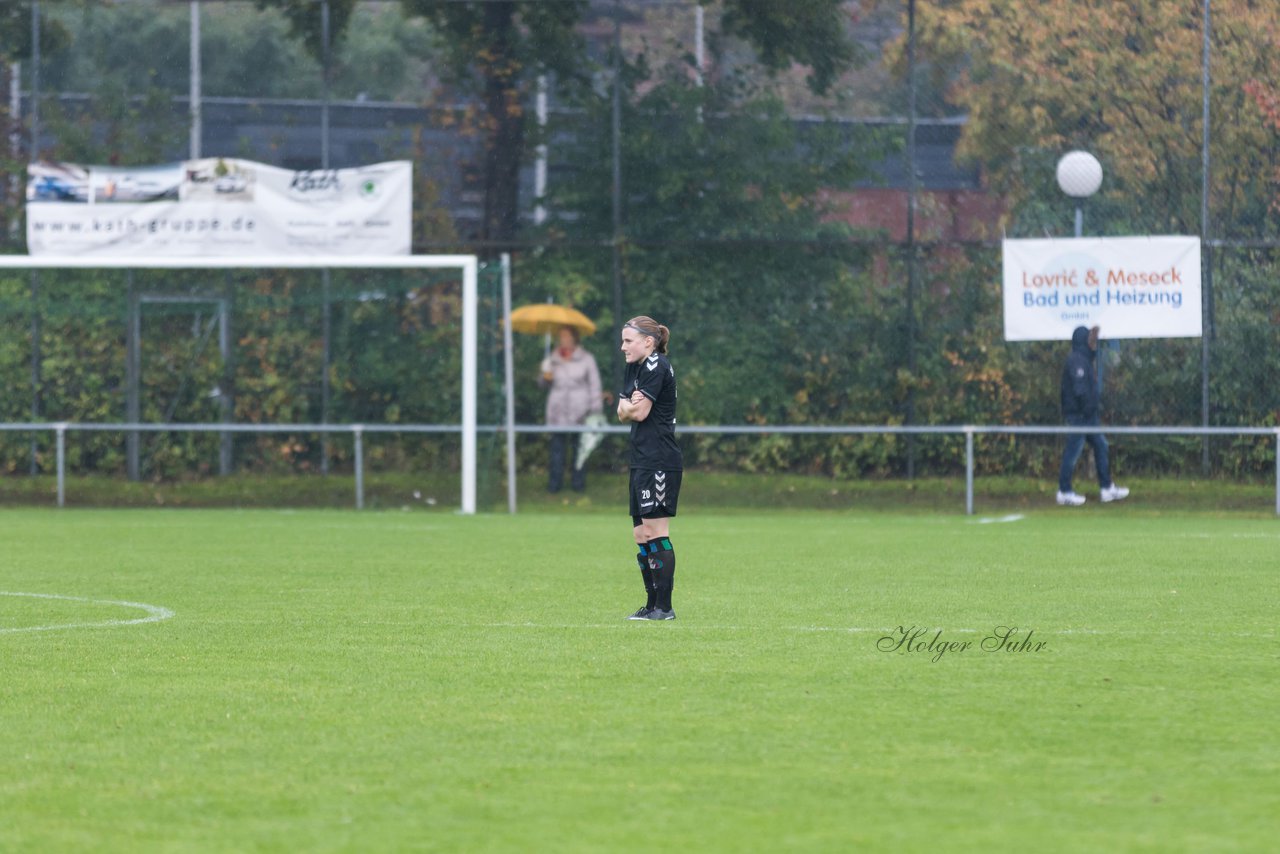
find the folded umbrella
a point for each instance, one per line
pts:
(588, 440)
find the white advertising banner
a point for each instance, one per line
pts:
(218, 206)
(1132, 287)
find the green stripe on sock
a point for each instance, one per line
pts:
(666, 545)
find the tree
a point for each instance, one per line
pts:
(503, 45)
(498, 48)
(1121, 79)
(16, 46)
(1267, 97)
(245, 53)
(727, 243)
(809, 32)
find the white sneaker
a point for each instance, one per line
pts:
(1072, 498)
(1114, 493)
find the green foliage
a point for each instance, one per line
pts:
(396, 358)
(115, 127)
(779, 315)
(306, 21)
(1122, 79)
(727, 243)
(809, 32)
(483, 37)
(16, 31)
(246, 52)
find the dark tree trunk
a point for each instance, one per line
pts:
(504, 142)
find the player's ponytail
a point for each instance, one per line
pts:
(648, 326)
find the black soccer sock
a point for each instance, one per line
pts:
(662, 557)
(650, 591)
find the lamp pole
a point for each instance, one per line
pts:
(32, 156)
(1206, 259)
(326, 278)
(1079, 176)
(195, 86)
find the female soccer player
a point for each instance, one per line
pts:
(648, 403)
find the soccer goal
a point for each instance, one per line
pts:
(466, 264)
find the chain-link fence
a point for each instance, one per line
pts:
(815, 212)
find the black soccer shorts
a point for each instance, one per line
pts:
(654, 494)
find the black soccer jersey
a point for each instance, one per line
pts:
(653, 440)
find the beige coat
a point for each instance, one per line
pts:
(575, 387)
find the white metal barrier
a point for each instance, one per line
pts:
(357, 432)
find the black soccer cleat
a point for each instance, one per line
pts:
(659, 614)
(642, 614)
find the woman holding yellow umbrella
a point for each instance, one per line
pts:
(573, 379)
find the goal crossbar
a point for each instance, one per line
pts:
(468, 264)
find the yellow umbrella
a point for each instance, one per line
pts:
(546, 317)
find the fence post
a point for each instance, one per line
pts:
(61, 431)
(968, 471)
(133, 383)
(508, 376)
(358, 431)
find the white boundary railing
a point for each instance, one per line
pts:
(358, 431)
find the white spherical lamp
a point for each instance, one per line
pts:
(1079, 174)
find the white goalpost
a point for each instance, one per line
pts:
(468, 265)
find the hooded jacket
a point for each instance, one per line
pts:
(1080, 379)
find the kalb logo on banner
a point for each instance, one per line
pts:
(1133, 287)
(218, 207)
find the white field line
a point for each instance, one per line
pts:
(852, 630)
(855, 630)
(996, 520)
(155, 613)
(1232, 536)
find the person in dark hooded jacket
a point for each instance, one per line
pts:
(1080, 405)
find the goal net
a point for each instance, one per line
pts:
(244, 354)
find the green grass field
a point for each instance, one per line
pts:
(338, 681)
